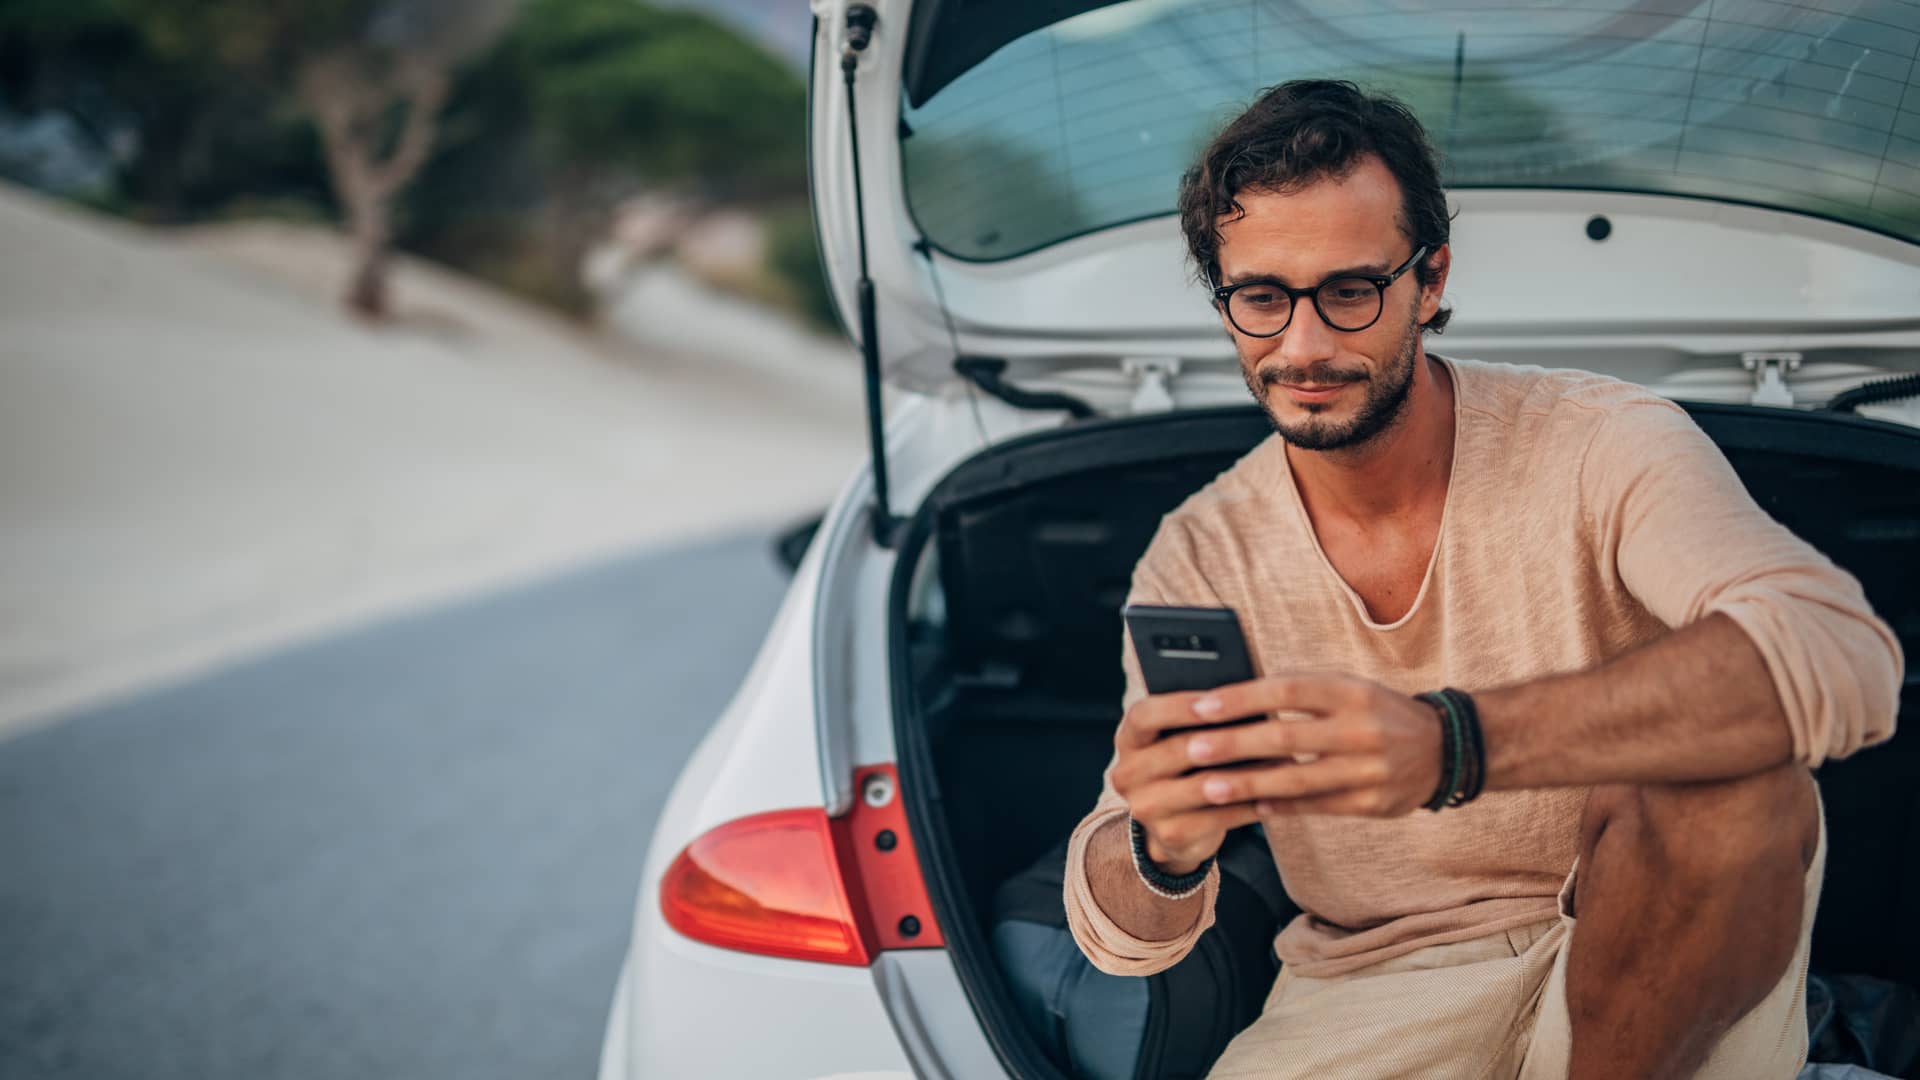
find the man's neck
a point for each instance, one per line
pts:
(1397, 471)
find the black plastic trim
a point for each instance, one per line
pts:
(1041, 455)
(1810, 434)
(948, 38)
(1888, 389)
(985, 372)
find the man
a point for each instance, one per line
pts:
(1653, 661)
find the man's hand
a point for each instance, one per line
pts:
(1184, 824)
(1369, 751)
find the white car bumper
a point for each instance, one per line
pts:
(684, 1009)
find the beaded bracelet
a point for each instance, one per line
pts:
(1159, 882)
(1463, 751)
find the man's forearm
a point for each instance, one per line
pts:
(1117, 888)
(1697, 704)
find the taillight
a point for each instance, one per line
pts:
(768, 884)
(797, 884)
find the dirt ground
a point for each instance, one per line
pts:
(201, 457)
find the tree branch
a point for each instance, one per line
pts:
(425, 92)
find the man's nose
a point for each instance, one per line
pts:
(1308, 339)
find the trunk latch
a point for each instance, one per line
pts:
(1770, 371)
(1151, 374)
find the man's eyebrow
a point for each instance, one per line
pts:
(1364, 270)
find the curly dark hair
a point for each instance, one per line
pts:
(1307, 130)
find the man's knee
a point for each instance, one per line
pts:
(1709, 831)
(1705, 834)
(1707, 852)
(1724, 859)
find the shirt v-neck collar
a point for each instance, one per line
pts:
(1299, 507)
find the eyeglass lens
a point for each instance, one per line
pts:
(1346, 303)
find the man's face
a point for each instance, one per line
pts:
(1326, 389)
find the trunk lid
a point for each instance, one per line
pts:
(1759, 178)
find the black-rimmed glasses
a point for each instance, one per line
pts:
(1350, 302)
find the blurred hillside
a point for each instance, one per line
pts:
(200, 459)
(536, 125)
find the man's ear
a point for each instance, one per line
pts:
(1438, 263)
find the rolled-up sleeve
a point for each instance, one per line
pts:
(1675, 523)
(1164, 573)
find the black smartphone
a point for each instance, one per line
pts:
(1191, 648)
(1188, 648)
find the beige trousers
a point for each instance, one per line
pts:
(1493, 1007)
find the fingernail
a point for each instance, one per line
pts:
(1206, 706)
(1199, 749)
(1218, 790)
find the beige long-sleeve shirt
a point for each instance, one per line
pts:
(1584, 516)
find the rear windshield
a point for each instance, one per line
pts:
(1813, 107)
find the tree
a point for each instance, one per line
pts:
(373, 74)
(673, 95)
(583, 104)
(185, 137)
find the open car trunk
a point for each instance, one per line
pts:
(1006, 638)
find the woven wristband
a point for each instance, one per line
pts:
(1475, 751)
(1159, 882)
(1452, 731)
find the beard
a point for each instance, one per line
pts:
(1385, 400)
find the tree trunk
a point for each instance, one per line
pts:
(367, 293)
(350, 104)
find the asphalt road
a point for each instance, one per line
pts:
(408, 851)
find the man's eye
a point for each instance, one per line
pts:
(1262, 298)
(1349, 292)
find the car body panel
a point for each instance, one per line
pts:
(683, 1008)
(770, 713)
(930, 1012)
(837, 549)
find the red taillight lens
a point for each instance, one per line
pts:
(768, 884)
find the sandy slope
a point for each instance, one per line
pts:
(199, 456)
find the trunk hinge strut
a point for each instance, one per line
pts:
(860, 20)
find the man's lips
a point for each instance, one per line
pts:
(1313, 391)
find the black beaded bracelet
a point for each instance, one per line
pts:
(1159, 882)
(1463, 752)
(1476, 748)
(1449, 751)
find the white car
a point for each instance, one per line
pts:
(1718, 201)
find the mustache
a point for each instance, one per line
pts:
(1279, 376)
